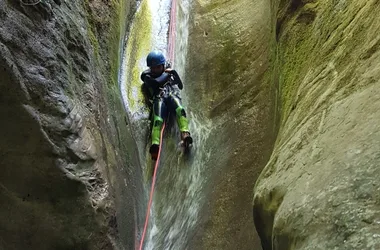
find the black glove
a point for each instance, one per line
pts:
(150, 80)
(177, 79)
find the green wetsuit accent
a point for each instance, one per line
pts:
(164, 91)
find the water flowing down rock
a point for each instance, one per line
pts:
(283, 99)
(228, 81)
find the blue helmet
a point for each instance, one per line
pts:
(155, 58)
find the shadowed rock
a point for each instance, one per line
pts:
(57, 145)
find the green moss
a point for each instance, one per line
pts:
(293, 59)
(117, 33)
(304, 46)
(94, 41)
(138, 46)
(91, 28)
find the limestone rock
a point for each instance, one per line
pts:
(58, 155)
(320, 189)
(226, 81)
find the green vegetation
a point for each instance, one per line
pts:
(138, 46)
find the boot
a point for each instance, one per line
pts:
(154, 151)
(186, 139)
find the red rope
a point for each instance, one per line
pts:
(172, 28)
(170, 55)
(152, 189)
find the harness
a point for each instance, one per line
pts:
(166, 85)
(167, 88)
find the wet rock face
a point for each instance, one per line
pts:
(53, 186)
(321, 189)
(226, 81)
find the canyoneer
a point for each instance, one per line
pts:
(161, 88)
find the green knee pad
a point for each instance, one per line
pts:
(183, 122)
(156, 130)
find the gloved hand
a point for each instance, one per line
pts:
(150, 80)
(175, 77)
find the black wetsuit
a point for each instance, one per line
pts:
(164, 92)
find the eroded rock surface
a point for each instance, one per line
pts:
(227, 81)
(61, 118)
(320, 59)
(320, 189)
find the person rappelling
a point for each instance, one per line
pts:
(161, 89)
